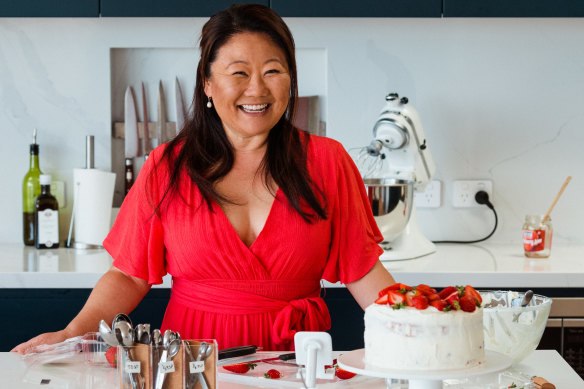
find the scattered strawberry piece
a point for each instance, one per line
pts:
(425, 289)
(397, 286)
(467, 303)
(469, 290)
(439, 304)
(420, 302)
(240, 368)
(111, 355)
(273, 374)
(343, 374)
(447, 292)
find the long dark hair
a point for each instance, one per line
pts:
(203, 146)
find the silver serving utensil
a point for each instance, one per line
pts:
(106, 334)
(524, 302)
(169, 352)
(124, 333)
(205, 350)
(121, 317)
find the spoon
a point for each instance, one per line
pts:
(205, 350)
(121, 317)
(524, 302)
(106, 334)
(170, 351)
(124, 331)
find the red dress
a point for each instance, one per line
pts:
(239, 295)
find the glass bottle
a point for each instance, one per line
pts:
(47, 216)
(537, 236)
(31, 188)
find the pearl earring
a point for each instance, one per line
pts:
(209, 103)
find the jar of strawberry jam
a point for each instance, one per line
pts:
(537, 236)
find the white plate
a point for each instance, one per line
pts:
(353, 361)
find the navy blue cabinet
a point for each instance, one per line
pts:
(515, 8)
(167, 8)
(363, 8)
(49, 8)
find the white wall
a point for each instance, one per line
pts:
(500, 99)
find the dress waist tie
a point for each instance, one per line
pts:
(294, 313)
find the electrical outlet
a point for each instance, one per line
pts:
(431, 197)
(463, 192)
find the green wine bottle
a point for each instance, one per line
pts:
(31, 188)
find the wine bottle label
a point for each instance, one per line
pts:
(48, 227)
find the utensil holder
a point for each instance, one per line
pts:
(195, 370)
(172, 370)
(135, 360)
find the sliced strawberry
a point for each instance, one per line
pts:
(410, 294)
(447, 292)
(273, 374)
(395, 297)
(469, 290)
(433, 296)
(420, 302)
(467, 303)
(439, 304)
(240, 368)
(452, 299)
(343, 374)
(111, 355)
(425, 289)
(397, 286)
(382, 299)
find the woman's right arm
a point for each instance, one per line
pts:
(115, 292)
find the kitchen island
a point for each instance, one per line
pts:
(18, 375)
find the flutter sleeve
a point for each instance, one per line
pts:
(355, 235)
(136, 240)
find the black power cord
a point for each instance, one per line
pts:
(481, 197)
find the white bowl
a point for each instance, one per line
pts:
(513, 330)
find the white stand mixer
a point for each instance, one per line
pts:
(396, 163)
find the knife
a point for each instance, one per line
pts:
(146, 131)
(180, 106)
(161, 123)
(131, 137)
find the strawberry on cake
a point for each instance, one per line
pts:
(418, 328)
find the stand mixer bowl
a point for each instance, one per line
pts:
(391, 201)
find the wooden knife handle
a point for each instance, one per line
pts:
(542, 383)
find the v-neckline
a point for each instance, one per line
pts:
(234, 231)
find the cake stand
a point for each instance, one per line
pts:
(430, 379)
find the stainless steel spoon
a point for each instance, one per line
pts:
(125, 337)
(121, 317)
(169, 352)
(524, 302)
(106, 334)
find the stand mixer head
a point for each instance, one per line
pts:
(396, 163)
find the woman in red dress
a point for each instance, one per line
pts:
(246, 212)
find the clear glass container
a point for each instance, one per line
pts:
(537, 236)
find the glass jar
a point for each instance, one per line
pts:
(537, 236)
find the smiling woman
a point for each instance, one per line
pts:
(246, 212)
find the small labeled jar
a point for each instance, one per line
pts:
(537, 236)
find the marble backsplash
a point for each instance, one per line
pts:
(500, 100)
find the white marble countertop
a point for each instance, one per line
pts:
(484, 265)
(16, 374)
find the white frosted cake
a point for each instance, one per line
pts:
(401, 336)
